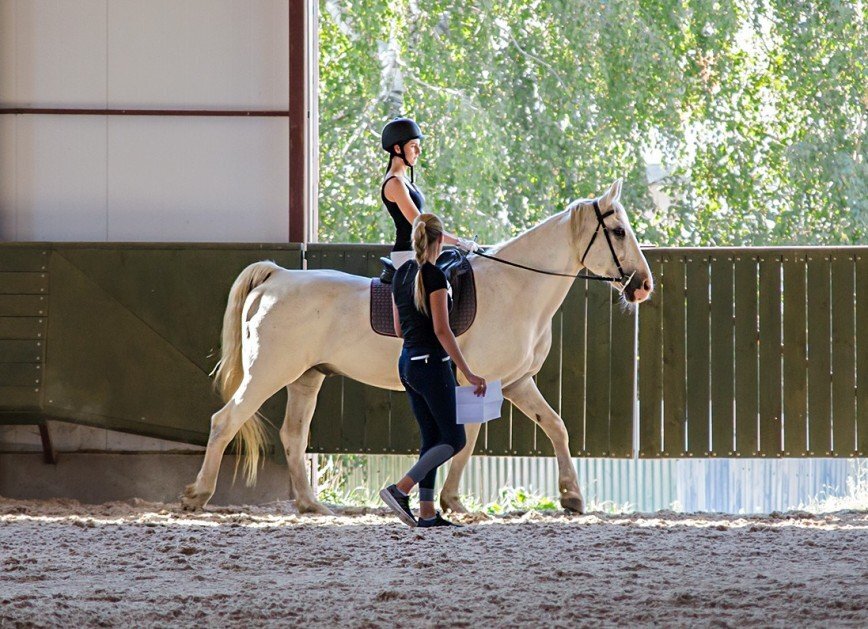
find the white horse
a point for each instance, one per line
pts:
(291, 329)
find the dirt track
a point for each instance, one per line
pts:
(149, 564)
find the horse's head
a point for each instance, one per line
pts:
(608, 247)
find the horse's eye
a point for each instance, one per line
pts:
(619, 232)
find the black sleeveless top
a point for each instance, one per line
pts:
(403, 227)
(417, 328)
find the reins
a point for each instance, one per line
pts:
(543, 272)
(623, 280)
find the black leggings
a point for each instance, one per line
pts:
(430, 386)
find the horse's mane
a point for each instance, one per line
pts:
(502, 245)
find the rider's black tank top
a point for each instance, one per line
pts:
(403, 227)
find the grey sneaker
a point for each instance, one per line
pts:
(437, 520)
(399, 503)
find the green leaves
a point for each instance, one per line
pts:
(756, 110)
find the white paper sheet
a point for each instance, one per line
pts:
(476, 410)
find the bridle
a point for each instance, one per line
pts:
(619, 283)
(601, 224)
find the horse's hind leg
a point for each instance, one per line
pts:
(449, 500)
(293, 434)
(526, 396)
(225, 423)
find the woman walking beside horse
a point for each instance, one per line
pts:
(420, 311)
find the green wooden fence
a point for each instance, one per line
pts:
(759, 352)
(741, 352)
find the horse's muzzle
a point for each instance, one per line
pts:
(639, 288)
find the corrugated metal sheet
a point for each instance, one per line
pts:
(759, 485)
(723, 485)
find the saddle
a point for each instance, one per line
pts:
(459, 273)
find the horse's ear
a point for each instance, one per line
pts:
(612, 194)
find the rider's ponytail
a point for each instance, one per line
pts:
(427, 229)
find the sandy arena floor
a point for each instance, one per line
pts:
(145, 564)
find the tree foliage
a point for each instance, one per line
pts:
(756, 111)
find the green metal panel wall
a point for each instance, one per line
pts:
(24, 292)
(132, 332)
(754, 353)
(596, 404)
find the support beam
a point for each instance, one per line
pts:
(302, 120)
(49, 456)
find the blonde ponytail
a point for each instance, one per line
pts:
(427, 229)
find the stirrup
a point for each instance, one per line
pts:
(388, 271)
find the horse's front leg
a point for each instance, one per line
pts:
(527, 398)
(449, 500)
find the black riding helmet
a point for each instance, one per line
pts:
(400, 131)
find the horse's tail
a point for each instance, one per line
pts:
(229, 371)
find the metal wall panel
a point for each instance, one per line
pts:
(24, 292)
(131, 333)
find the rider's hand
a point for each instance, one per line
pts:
(467, 245)
(477, 382)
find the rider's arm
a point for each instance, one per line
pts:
(440, 318)
(396, 322)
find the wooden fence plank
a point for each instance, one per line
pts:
(377, 401)
(721, 355)
(598, 369)
(650, 364)
(404, 433)
(573, 367)
(698, 355)
(325, 428)
(862, 358)
(355, 416)
(769, 336)
(746, 392)
(843, 357)
(795, 356)
(548, 381)
(623, 381)
(497, 432)
(819, 356)
(674, 362)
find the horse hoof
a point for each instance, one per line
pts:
(451, 504)
(313, 507)
(192, 501)
(573, 504)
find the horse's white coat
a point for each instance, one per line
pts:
(295, 325)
